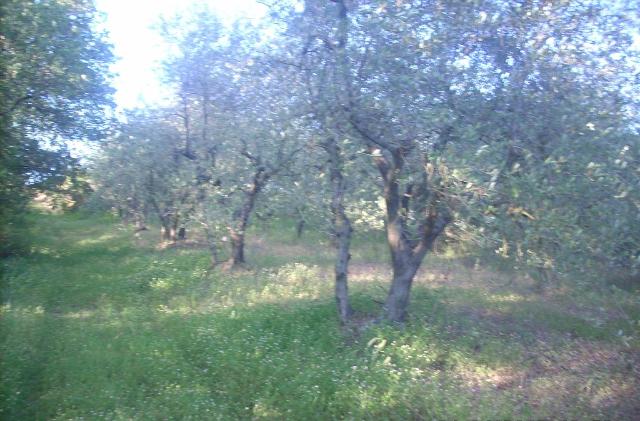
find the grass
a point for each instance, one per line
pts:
(99, 324)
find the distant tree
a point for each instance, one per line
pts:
(144, 171)
(233, 128)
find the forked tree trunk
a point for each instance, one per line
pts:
(404, 264)
(407, 254)
(342, 229)
(408, 244)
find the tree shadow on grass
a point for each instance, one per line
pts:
(290, 359)
(544, 359)
(121, 334)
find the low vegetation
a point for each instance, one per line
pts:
(99, 324)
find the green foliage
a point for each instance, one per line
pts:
(561, 201)
(522, 115)
(54, 70)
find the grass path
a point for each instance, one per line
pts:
(98, 324)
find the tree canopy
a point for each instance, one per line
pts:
(54, 87)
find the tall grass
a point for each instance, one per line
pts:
(96, 324)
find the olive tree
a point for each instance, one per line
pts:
(54, 87)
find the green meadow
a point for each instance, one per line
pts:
(99, 323)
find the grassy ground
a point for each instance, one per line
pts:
(97, 323)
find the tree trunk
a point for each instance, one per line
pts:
(342, 229)
(241, 218)
(169, 229)
(301, 222)
(404, 263)
(407, 250)
(213, 247)
(300, 227)
(165, 229)
(168, 233)
(397, 301)
(237, 247)
(174, 229)
(140, 217)
(140, 225)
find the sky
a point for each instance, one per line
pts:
(139, 47)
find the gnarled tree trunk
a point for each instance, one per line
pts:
(408, 251)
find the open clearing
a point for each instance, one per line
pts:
(99, 324)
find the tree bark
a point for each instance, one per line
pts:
(165, 230)
(237, 247)
(169, 228)
(397, 301)
(213, 247)
(174, 229)
(407, 253)
(404, 266)
(300, 227)
(140, 225)
(241, 218)
(342, 229)
(140, 217)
